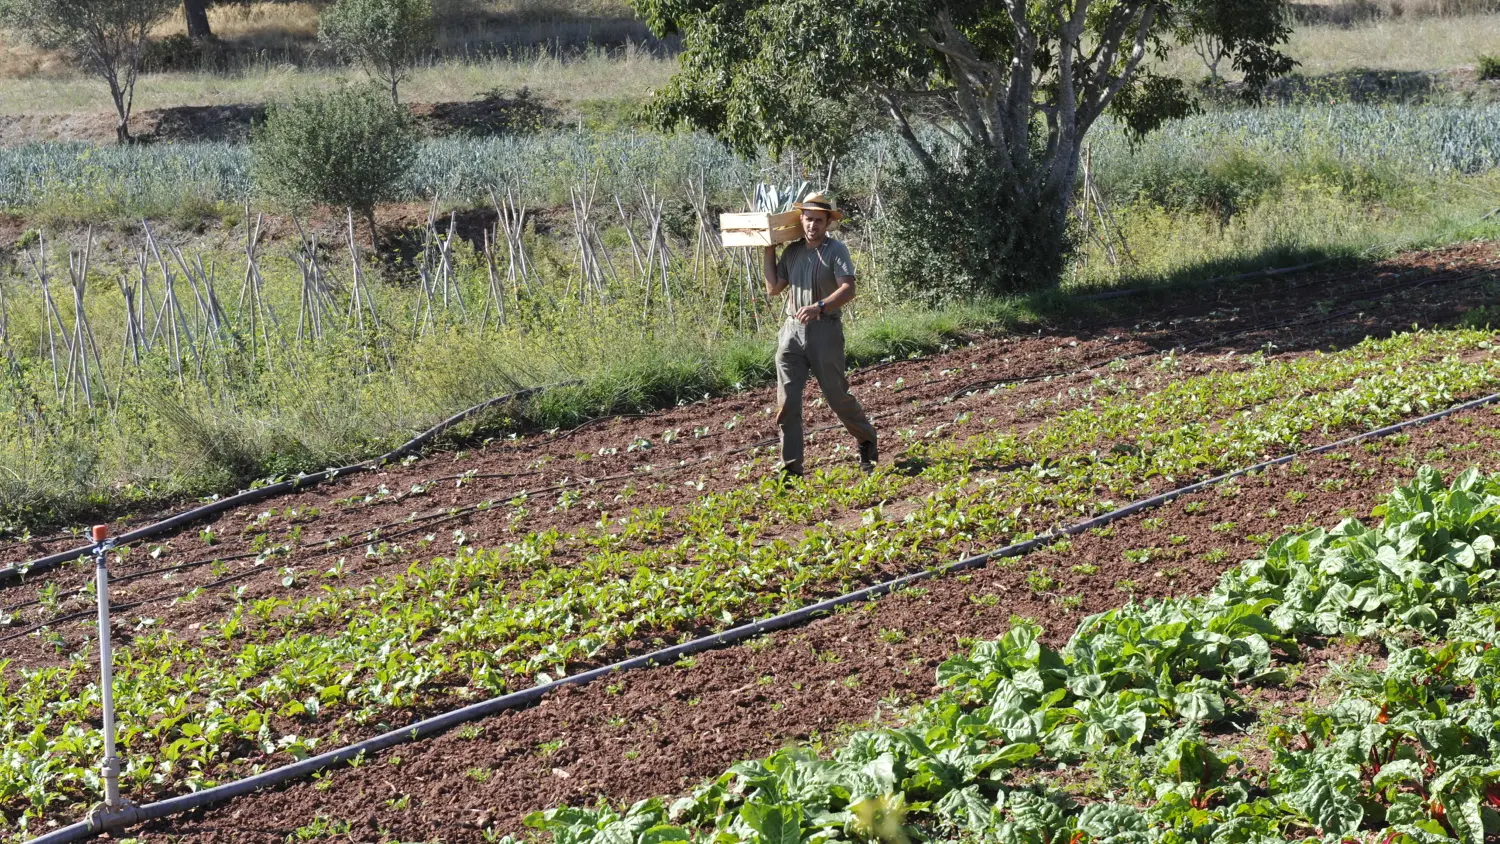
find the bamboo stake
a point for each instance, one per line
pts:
(363, 299)
(496, 286)
(180, 333)
(130, 350)
(50, 316)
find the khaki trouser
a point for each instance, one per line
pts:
(817, 346)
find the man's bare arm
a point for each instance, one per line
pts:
(842, 296)
(774, 283)
(838, 298)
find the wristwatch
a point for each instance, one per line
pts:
(820, 306)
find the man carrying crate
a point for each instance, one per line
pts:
(818, 274)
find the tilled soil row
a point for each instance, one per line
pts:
(426, 499)
(337, 732)
(149, 594)
(1128, 327)
(533, 462)
(660, 731)
(147, 584)
(401, 714)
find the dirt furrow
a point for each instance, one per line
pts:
(660, 731)
(230, 549)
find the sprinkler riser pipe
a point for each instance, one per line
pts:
(110, 767)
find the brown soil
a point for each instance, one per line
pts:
(661, 731)
(737, 723)
(333, 521)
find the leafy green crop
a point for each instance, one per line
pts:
(282, 676)
(1409, 752)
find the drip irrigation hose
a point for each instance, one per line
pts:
(135, 815)
(252, 496)
(10, 573)
(451, 513)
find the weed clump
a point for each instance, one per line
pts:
(1489, 67)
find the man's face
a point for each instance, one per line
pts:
(814, 224)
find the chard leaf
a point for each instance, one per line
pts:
(774, 823)
(1397, 772)
(1327, 800)
(968, 808)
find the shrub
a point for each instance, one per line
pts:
(349, 147)
(1480, 319)
(1489, 67)
(174, 52)
(946, 238)
(386, 37)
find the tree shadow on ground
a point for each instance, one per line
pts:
(492, 114)
(1332, 300)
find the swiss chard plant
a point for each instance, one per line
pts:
(1406, 755)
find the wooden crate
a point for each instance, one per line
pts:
(760, 228)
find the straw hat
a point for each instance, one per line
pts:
(816, 201)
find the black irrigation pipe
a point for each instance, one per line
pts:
(251, 496)
(446, 515)
(46, 563)
(135, 815)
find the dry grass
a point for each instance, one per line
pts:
(1348, 12)
(465, 28)
(19, 60)
(257, 35)
(255, 22)
(543, 45)
(592, 76)
(1407, 43)
(1430, 43)
(479, 51)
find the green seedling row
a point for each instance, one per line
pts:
(251, 688)
(1405, 755)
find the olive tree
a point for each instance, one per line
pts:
(1235, 30)
(349, 147)
(103, 37)
(385, 37)
(993, 98)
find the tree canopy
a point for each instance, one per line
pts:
(768, 71)
(1020, 82)
(386, 37)
(346, 147)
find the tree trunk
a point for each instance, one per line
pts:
(122, 110)
(196, 12)
(374, 237)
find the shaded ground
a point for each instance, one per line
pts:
(494, 114)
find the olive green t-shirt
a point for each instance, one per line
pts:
(812, 274)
